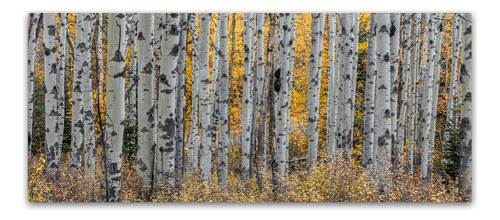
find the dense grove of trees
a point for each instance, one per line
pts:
(221, 95)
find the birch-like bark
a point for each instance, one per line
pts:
(395, 19)
(427, 74)
(435, 93)
(214, 90)
(371, 74)
(401, 122)
(345, 111)
(181, 87)
(465, 171)
(456, 39)
(52, 145)
(205, 133)
(83, 49)
(261, 93)
(413, 90)
(313, 92)
(61, 74)
(32, 44)
(246, 117)
(284, 104)
(332, 87)
(354, 84)
(82, 67)
(194, 141)
(165, 153)
(291, 56)
(115, 104)
(145, 88)
(158, 20)
(222, 166)
(382, 146)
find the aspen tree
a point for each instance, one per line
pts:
(181, 87)
(82, 67)
(61, 74)
(284, 104)
(354, 66)
(413, 90)
(145, 88)
(222, 166)
(456, 37)
(313, 92)
(465, 171)
(214, 90)
(371, 74)
(115, 105)
(260, 91)
(32, 44)
(382, 146)
(165, 153)
(427, 73)
(205, 148)
(246, 117)
(401, 122)
(52, 145)
(394, 56)
(88, 97)
(194, 141)
(291, 57)
(332, 87)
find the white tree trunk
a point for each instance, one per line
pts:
(194, 141)
(165, 153)
(82, 67)
(32, 44)
(145, 88)
(456, 39)
(413, 90)
(115, 105)
(394, 56)
(205, 133)
(246, 117)
(222, 166)
(63, 51)
(84, 51)
(214, 90)
(401, 124)
(52, 145)
(313, 92)
(371, 74)
(382, 146)
(354, 84)
(284, 104)
(332, 87)
(465, 171)
(181, 87)
(291, 55)
(261, 92)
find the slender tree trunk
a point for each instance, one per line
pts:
(194, 142)
(283, 102)
(181, 87)
(222, 166)
(115, 104)
(291, 56)
(214, 90)
(371, 74)
(413, 93)
(145, 111)
(165, 154)
(465, 172)
(82, 67)
(427, 73)
(456, 38)
(83, 50)
(354, 84)
(158, 32)
(346, 102)
(246, 117)
(395, 19)
(205, 148)
(435, 94)
(332, 87)
(52, 145)
(32, 44)
(401, 123)
(261, 93)
(382, 147)
(313, 92)
(61, 76)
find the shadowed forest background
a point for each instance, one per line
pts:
(288, 107)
